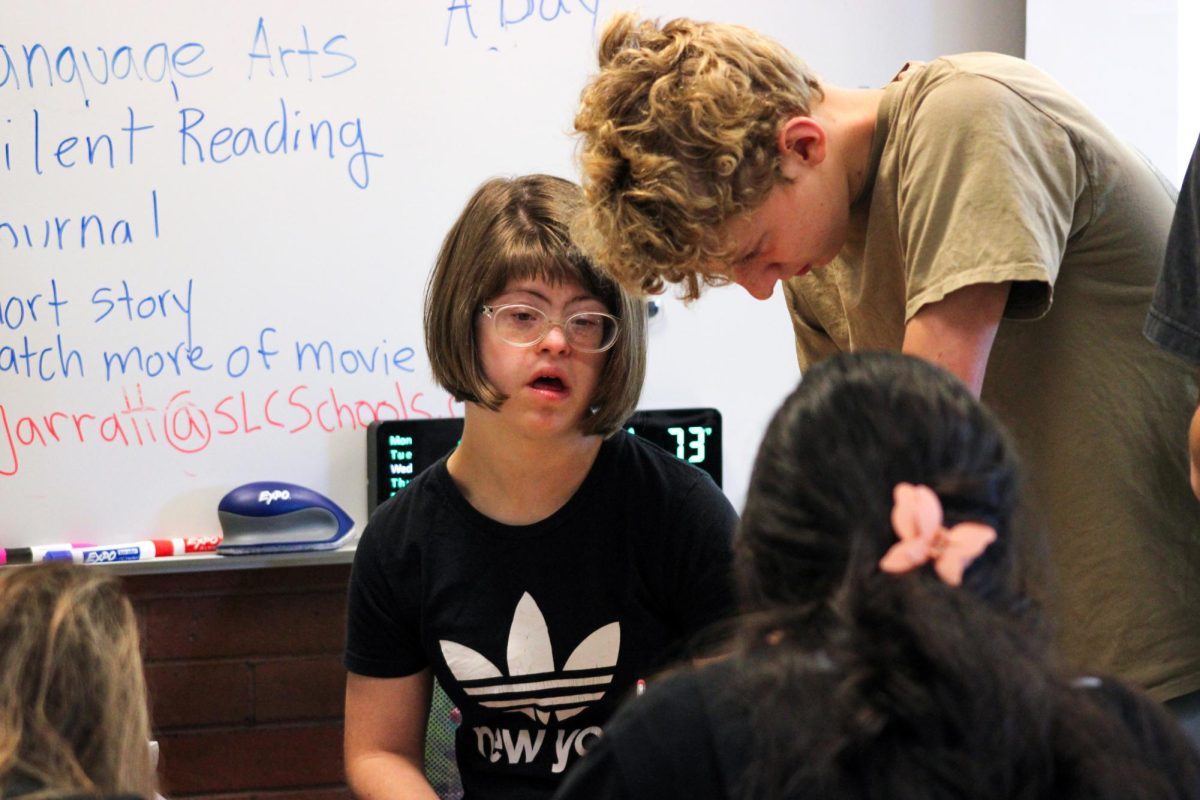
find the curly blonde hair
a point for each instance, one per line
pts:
(678, 136)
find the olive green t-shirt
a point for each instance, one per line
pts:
(984, 170)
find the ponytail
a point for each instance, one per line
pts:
(869, 683)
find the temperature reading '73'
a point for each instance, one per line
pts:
(691, 438)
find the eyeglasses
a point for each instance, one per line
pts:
(524, 326)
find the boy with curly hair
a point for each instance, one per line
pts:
(970, 212)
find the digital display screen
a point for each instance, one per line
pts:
(692, 434)
(399, 450)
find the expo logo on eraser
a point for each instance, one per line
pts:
(269, 497)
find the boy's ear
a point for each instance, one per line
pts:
(802, 142)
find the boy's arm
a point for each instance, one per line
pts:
(957, 332)
(385, 736)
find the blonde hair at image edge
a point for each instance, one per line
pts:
(73, 712)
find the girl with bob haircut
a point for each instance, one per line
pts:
(889, 647)
(552, 559)
(73, 714)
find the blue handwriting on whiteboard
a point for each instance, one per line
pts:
(462, 14)
(334, 60)
(30, 66)
(88, 229)
(50, 150)
(322, 356)
(123, 304)
(19, 359)
(284, 134)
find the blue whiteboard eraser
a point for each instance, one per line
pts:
(277, 517)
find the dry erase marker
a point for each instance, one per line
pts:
(196, 544)
(181, 545)
(141, 551)
(41, 552)
(115, 553)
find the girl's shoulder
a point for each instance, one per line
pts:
(405, 517)
(644, 465)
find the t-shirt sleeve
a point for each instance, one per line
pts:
(1174, 318)
(382, 610)
(702, 579)
(988, 188)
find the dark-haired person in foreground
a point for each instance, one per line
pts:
(889, 648)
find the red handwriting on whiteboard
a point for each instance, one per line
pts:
(189, 423)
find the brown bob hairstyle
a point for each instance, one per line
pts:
(517, 229)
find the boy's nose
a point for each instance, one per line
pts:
(760, 284)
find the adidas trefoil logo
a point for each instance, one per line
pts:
(533, 687)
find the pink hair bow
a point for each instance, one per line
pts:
(917, 519)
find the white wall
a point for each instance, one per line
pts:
(1134, 63)
(1187, 39)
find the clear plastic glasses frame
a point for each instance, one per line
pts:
(525, 326)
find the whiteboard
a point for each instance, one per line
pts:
(216, 221)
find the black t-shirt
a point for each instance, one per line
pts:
(536, 632)
(690, 736)
(1174, 318)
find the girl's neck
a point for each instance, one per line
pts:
(518, 480)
